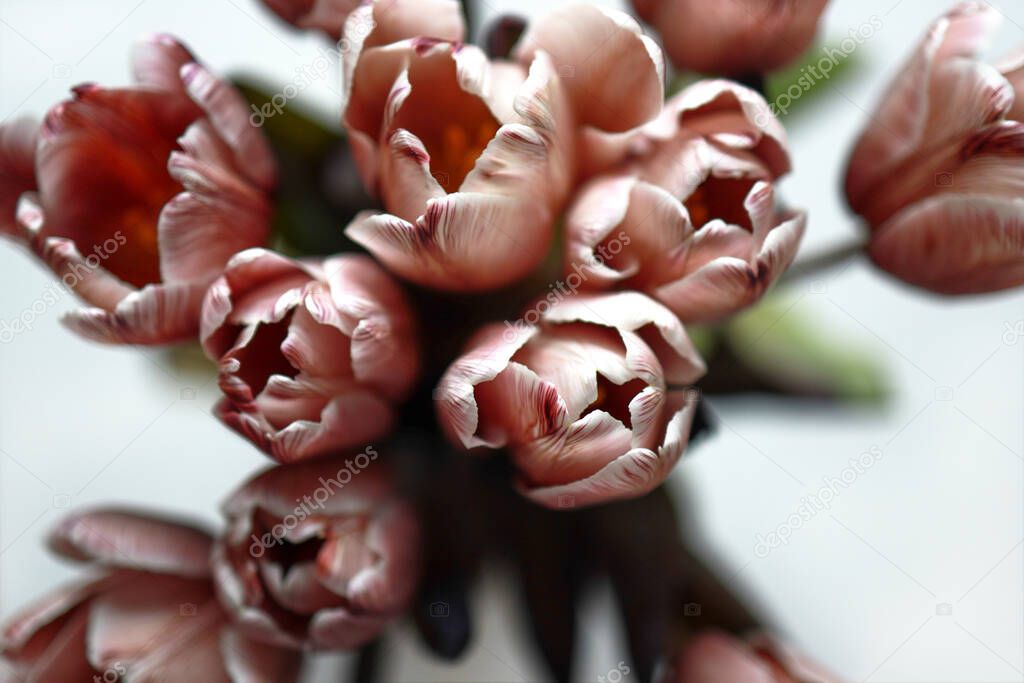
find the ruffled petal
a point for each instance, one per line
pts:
(727, 284)
(156, 314)
(226, 110)
(630, 475)
(599, 54)
(131, 540)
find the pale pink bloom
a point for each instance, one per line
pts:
(715, 657)
(590, 402)
(313, 355)
(144, 193)
(320, 554)
(689, 215)
(151, 616)
(474, 159)
(733, 37)
(939, 173)
(321, 15)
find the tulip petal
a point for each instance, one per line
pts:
(599, 54)
(156, 314)
(955, 244)
(900, 123)
(633, 312)
(517, 406)
(630, 475)
(37, 618)
(17, 168)
(406, 182)
(130, 540)
(727, 284)
(325, 15)
(572, 454)
(228, 113)
(342, 629)
(715, 657)
(93, 285)
(62, 659)
(156, 61)
(486, 356)
(1013, 69)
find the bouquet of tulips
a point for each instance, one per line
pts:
(540, 227)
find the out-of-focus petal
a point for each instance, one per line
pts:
(156, 314)
(324, 15)
(131, 540)
(248, 661)
(599, 54)
(17, 168)
(156, 61)
(955, 244)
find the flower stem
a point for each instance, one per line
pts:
(830, 258)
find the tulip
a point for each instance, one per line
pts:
(714, 657)
(319, 555)
(473, 159)
(151, 616)
(144, 194)
(733, 37)
(586, 399)
(690, 217)
(313, 355)
(939, 175)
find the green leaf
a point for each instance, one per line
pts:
(319, 190)
(790, 90)
(776, 348)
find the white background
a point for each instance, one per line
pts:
(938, 520)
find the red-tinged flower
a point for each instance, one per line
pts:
(473, 159)
(939, 174)
(322, 15)
(320, 554)
(151, 616)
(313, 355)
(17, 168)
(715, 657)
(733, 37)
(590, 401)
(689, 214)
(144, 193)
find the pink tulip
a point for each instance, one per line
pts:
(473, 159)
(152, 616)
(313, 355)
(589, 401)
(322, 15)
(689, 216)
(718, 658)
(939, 175)
(733, 37)
(144, 194)
(320, 555)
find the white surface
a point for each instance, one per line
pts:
(938, 519)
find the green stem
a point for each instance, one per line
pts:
(826, 260)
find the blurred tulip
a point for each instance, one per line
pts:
(322, 15)
(939, 174)
(320, 554)
(153, 616)
(715, 657)
(144, 194)
(689, 215)
(587, 401)
(733, 37)
(17, 168)
(313, 354)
